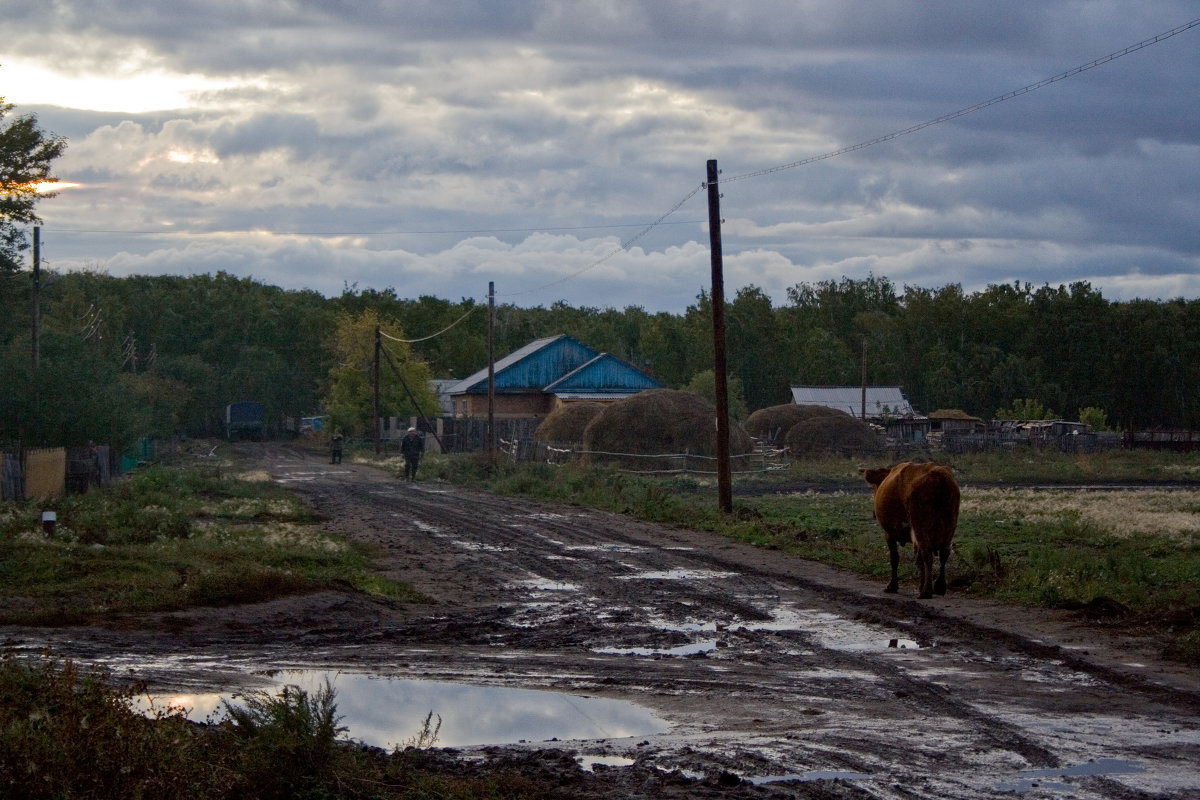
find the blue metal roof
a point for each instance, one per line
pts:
(557, 364)
(605, 372)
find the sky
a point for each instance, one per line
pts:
(559, 149)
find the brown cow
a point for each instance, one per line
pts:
(916, 503)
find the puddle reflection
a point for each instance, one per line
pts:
(1029, 779)
(388, 712)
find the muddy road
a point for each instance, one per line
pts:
(768, 676)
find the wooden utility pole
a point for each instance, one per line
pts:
(864, 379)
(724, 473)
(37, 296)
(491, 428)
(378, 415)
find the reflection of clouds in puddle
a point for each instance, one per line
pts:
(588, 762)
(388, 712)
(605, 548)
(706, 646)
(678, 575)
(1078, 738)
(1029, 779)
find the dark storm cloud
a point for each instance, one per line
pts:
(407, 122)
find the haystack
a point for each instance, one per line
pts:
(836, 433)
(772, 423)
(567, 422)
(660, 421)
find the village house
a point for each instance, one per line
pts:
(544, 374)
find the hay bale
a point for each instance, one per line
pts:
(772, 423)
(656, 422)
(837, 433)
(567, 422)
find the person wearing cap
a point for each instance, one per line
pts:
(411, 447)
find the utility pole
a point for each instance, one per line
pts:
(724, 473)
(864, 379)
(37, 296)
(491, 443)
(375, 370)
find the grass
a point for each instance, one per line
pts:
(1132, 555)
(65, 733)
(169, 539)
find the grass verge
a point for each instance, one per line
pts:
(167, 539)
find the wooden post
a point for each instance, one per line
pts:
(720, 368)
(378, 415)
(864, 379)
(37, 296)
(491, 402)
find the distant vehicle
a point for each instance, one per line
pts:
(245, 420)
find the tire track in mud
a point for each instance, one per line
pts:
(554, 596)
(508, 534)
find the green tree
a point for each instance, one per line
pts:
(26, 153)
(1094, 418)
(704, 384)
(1026, 408)
(350, 402)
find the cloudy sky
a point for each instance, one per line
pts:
(432, 146)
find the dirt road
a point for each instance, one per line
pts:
(770, 676)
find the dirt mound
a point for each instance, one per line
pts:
(656, 422)
(772, 423)
(567, 422)
(834, 433)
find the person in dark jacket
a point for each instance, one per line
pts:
(412, 446)
(335, 448)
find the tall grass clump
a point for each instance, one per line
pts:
(67, 733)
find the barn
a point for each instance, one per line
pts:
(545, 374)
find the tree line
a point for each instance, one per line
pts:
(123, 358)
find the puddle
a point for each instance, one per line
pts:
(678, 575)
(706, 646)
(386, 712)
(1029, 779)
(835, 633)
(587, 762)
(814, 775)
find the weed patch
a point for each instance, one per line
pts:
(169, 539)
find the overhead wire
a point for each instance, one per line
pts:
(470, 311)
(962, 112)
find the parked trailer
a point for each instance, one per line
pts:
(245, 420)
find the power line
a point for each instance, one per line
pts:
(470, 311)
(625, 245)
(962, 112)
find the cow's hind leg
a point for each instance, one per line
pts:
(939, 586)
(925, 571)
(894, 557)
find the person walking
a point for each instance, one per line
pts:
(412, 446)
(335, 448)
